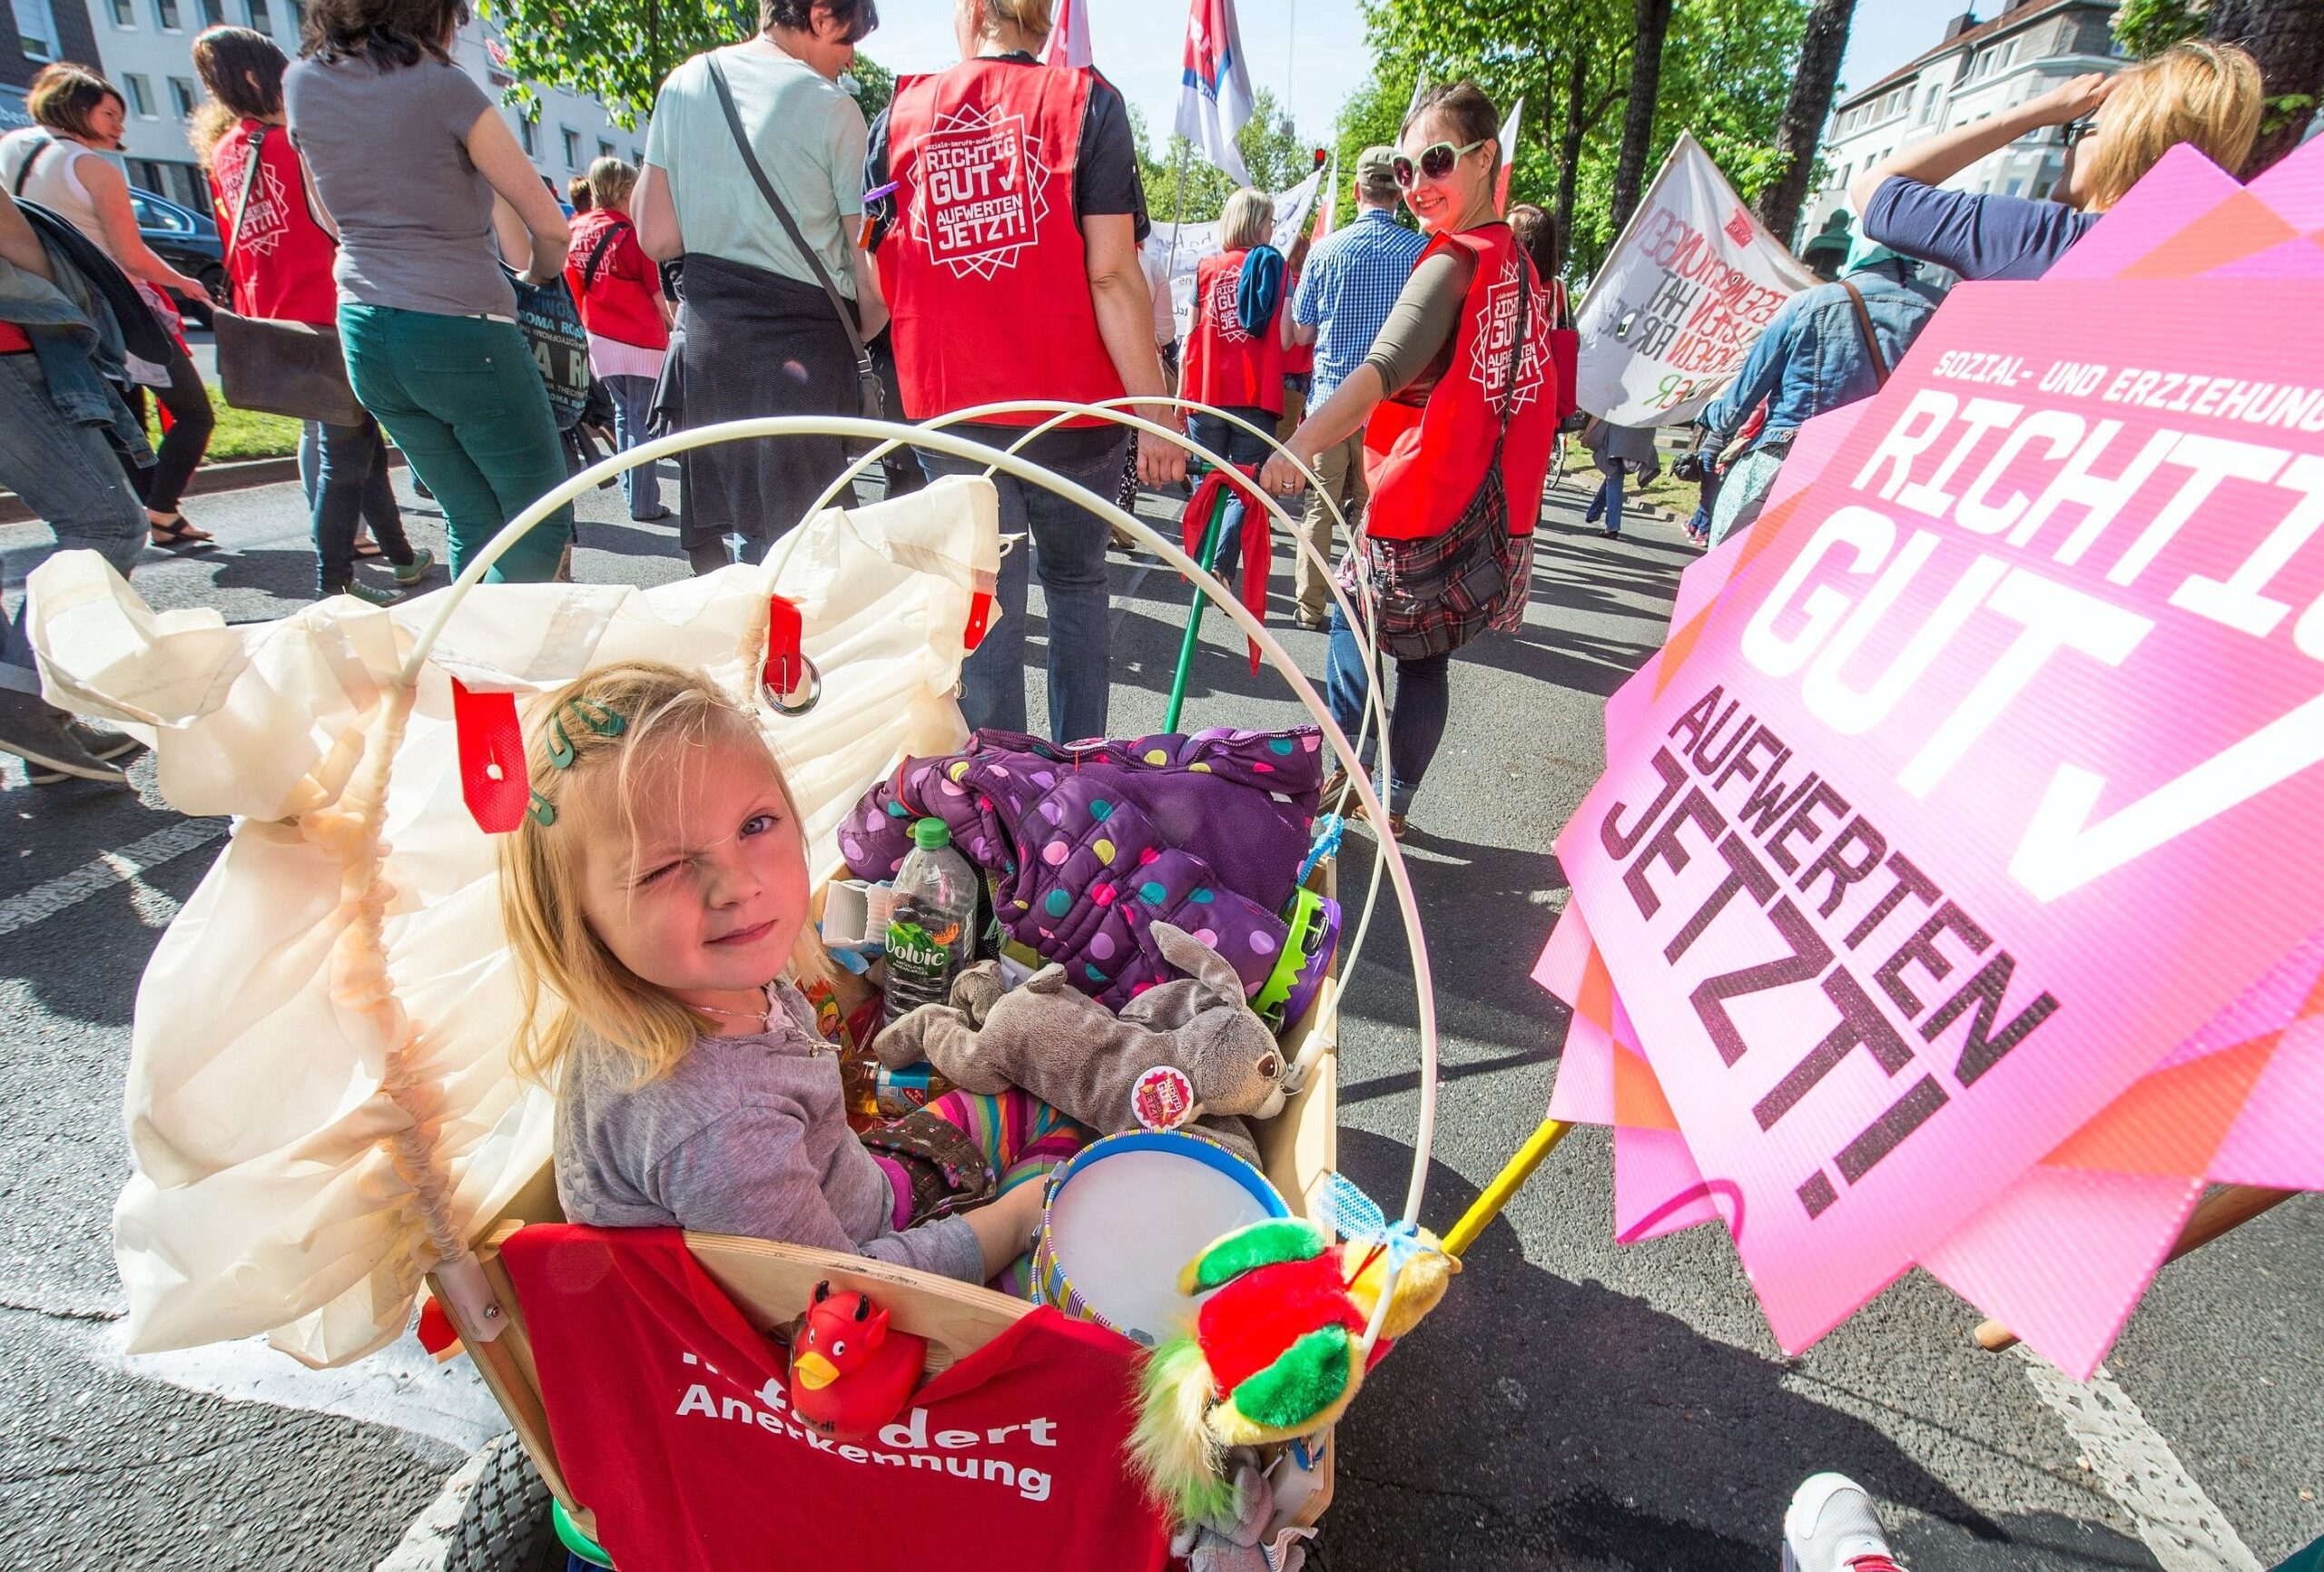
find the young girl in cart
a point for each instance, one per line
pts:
(655, 900)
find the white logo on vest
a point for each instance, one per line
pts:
(1489, 352)
(1223, 291)
(983, 191)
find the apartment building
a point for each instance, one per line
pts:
(1975, 69)
(145, 47)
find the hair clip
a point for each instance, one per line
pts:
(543, 811)
(603, 721)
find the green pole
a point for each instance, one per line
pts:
(1213, 535)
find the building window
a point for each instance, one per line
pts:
(141, 96)
(260, 18)
(36, 30)
(605, 148)
(572, 147)
(213, 12)
(529, 136)
(182, 97)
(124, 14)
(146, 175)
(165, 15)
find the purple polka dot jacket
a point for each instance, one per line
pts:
(1093, 842)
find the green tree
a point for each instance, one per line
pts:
(2147, 27)
(615, 52)
(1823, 44)
(618, 51)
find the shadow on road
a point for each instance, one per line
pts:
(1535, 1422)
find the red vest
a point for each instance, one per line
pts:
(985, 272)
(671, 1419)
(619, 302)
(281, 258)
(1425, 462)
(1225, 365)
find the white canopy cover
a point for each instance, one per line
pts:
(319, 1105)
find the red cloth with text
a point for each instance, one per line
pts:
(985, 272)
(279, 259)
(668, 1413)
(1227, 365)
(623, 300)
(1258, 537)
(1425, 462)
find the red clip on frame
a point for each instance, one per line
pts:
(784, 669)
(980, 618)
(492, 780)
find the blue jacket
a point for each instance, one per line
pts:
(78, 340)
(1811, 356)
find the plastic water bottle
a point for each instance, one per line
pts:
(931, 934)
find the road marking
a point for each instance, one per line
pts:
(2180, 1523)
(107, 869)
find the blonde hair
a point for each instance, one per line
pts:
(1247, 220)
(610, 182)
(1033, 16)
(2205, 94)
(206, 128)
(567, 980)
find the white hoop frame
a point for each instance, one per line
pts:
(1392, 855)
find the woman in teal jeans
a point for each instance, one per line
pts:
(427, 191)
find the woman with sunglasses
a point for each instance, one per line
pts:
(1448, 388)
(2114, 129)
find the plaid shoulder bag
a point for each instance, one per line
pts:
(1434, 594)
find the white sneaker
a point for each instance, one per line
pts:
(1830, 1526)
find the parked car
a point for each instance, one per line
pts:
(188, 241)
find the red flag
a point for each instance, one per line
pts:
(1068, 35)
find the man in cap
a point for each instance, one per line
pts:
(1346, 292)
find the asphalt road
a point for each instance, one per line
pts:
(1574, 1405)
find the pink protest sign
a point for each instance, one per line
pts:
(1990, 760)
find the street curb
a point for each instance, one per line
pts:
(239, 475)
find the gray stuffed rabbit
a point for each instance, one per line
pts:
(1084, 1061)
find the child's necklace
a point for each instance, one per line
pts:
(762, 1017)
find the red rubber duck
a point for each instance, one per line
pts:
(850, 1370)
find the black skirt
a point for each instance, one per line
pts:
(757, 343)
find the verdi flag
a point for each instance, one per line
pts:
(1069, 36)
(1217, 97)
(1680, 299)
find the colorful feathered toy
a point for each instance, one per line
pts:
(1277, 1349)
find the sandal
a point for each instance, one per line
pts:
(174, 532)
(368, 548)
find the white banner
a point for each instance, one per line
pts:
(1679, 301)
(1173, 250)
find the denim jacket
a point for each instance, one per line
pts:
(77, 341)
(1811, 356)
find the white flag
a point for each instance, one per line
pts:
(1068, 35)
(1508, 140)
(1690, 282)
(1216, 98)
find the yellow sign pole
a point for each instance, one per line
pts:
(1505, 1184)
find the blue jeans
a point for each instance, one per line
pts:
(633, 397)
(1609, 501)
(1238, 446)
(1415, 721)
(1068, 552)
(68, 475)
(352, 484)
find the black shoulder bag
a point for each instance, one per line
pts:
(873, 397)
(275, 367)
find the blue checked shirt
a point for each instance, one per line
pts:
(1346, 291)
